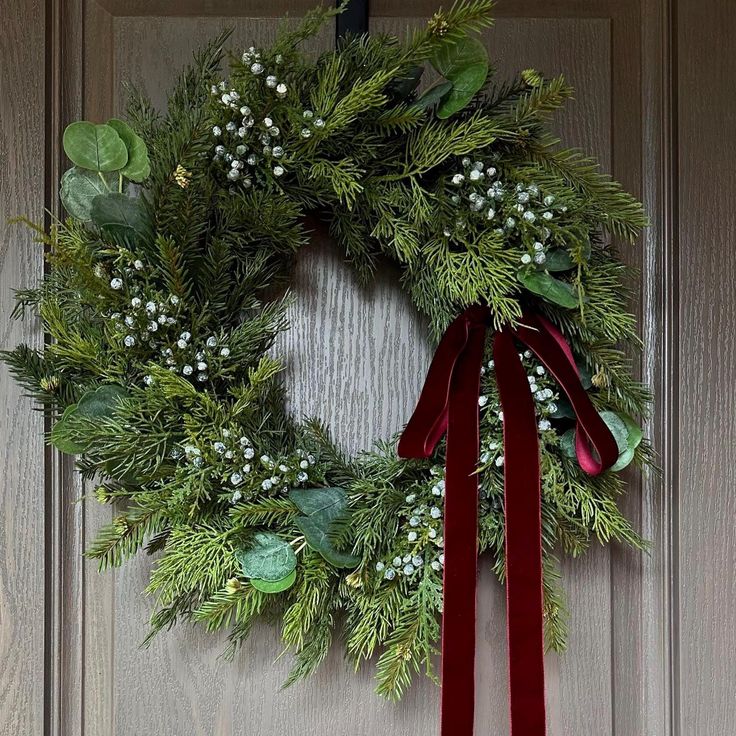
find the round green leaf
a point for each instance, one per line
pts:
(635, 433)
(624, 459)
(567, 443)
(463, 90)
(559, 259)
(548, 287)
(564, 409)
(269, 558)
(138, 166)
(618, 429)
(433, 95)
(124, 218)
(80, 186)
(101, 402)
(463, 62)
(401, 87)
(274, 586)
(67, 434)
(321, 507)
(326, 504)
(95, 147)
(634, 436)
(317, 537)
(454, 57)
(586, 377)
(61, 434)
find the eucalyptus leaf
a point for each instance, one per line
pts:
(102, 401)
(321, 508)
(61, 436)
(624, 430)
(274, 586)
(269, 558)
(80, 186)
(326, 503)
(635, 433)
(138, 166)
(317, 537)
(401, 87)
(464, 62)
(564, 409)
(463, 90)
(454, 57)
(67, 433)
(559, 259)
(548, 287)
(634, 436)
(567, 443)
(586, 377)
(624, 459)
(95, 147)
(433, 95)
(618, 429)
(123, 217)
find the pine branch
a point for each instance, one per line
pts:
(120, 540)
(621, 214)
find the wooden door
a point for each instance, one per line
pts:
(652, 638)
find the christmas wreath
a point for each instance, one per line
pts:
(168, 284)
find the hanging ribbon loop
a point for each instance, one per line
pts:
(448, 405)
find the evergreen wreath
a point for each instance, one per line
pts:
(168, 284)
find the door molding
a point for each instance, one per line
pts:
(653, 24)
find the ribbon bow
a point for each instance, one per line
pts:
(449, 404)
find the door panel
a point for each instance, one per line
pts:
(356, 358)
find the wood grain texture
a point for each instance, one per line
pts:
(357, 359)
(22, 527)
(658, 594)
(707, 429)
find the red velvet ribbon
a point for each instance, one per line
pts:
(449, 404)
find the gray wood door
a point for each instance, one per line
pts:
(652, 637)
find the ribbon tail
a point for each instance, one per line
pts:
(522, 494)
(461, 542)
(449, 403)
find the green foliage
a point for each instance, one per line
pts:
(122, 218)
(137, 167)
(464, 63)
(122, 539)
(274, 586)
(79, 187)
(548, 287)
(411, 645)
(322, 509)
(268, 558)
(163, 303)
(95, 147)
(68, 433)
